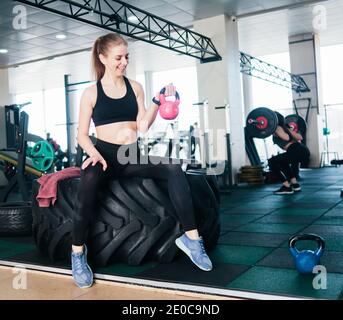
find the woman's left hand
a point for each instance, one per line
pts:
(170, 90)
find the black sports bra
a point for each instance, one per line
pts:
(108, 110)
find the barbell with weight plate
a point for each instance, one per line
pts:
(297, 123)
(262, 122)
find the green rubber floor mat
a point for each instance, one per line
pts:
(288, 282)
(252, 252)
(281, 258)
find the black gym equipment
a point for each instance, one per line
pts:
(9, 128)
(20, 147)
(297, 123)
(251, 149)
(337, 162)
(308, 107)
(261, 123)
(280, 119)
(16, 152)
(15, 217)
(134, 220)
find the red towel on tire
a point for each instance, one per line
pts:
(47, 194)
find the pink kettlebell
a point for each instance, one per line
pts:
(169, 110)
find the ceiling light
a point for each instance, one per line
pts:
(3, 50)
(60, 36)
(132, 18)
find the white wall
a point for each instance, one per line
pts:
(49, 74)
(5, 97)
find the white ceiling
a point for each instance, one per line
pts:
(262, 30)
(268, 33)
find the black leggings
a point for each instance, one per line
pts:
(126, 161)
(286, 165)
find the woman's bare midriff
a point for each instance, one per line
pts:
(118, 133)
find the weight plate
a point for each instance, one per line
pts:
(261, 123)
(297, 122)
(42, 155)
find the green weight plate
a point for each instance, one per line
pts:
(42, 155)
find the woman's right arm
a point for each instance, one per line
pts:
(85, 114)
(281, 133)
(297, 136)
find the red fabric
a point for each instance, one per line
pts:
(48, 185)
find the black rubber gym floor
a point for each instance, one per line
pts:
(252, 253)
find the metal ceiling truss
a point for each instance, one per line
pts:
(133, 22)
(120, 17)
(265, 71)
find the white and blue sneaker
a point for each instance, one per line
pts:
(195, 250)
(82, 273)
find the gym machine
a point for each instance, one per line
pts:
(14, 149)
(225, 174)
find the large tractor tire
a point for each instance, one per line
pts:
(15, 219)
(134, 220)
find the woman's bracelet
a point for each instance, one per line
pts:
(157, 102)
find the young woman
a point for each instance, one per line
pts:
(116, 105)
(286, 165)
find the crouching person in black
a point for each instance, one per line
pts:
(286, 164)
